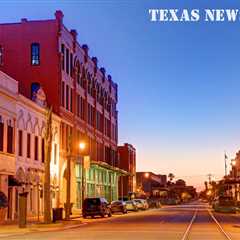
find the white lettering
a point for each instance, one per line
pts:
(220, 15)
(185, 16)
(195, 16)
(173, 13)
(232, 14)
(153, 13)
(163, 15)
(209, 14)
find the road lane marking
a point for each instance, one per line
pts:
(219, 226)
(189, 226)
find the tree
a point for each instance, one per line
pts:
(48, 150)
(171, 177)
(206, 185)
(181, 182)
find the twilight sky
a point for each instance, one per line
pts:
(178, 82)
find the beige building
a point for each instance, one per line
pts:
(8, 98)
(22, 128)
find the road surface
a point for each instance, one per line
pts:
(191, 221)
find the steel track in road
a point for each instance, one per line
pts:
(220, 228)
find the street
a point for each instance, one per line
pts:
(190, 221)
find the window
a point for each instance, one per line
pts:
(92, 116)
(67, 61)
(55, 153)
(10, 139)
(71, 64)
(1, 135)
(82, 110)
(63, 56)
(67, 97)
(78, 74)
(89, 114)
(63, 94)
(36, 148)
(43, 150)
(20, 143)
(28, 145)
(71, 100)
(35, 54)
(1, 55)
(78, 105)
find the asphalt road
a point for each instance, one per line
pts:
(192, 221)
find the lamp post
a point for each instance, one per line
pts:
(144, 182)
(233, 163)
(82, 147)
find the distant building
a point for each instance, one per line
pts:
(127, 162)
(147, 181)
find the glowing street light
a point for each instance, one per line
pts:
(233, 162)
(82, 145)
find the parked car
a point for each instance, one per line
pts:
(96, 207)
(118, 206)
(141, 204)
(131, 206)
(172, 201)
(154, 203)
(224, 204)
(145, 204)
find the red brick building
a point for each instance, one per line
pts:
(45, 53)
(147, 181)
(127, 157)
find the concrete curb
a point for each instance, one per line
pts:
(41, 229)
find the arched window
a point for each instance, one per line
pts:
(35, 54)
(78, 73)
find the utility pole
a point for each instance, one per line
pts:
(48, 150)
(210, 177)
(225, 163)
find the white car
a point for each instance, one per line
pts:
(131, 206)
(142, 204)
(139, 203)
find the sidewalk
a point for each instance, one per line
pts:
(11, 228)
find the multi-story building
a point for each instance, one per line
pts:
(22, 148)
(45, 53)
(127, 162)
(8, 117)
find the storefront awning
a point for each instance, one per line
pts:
(116, 169)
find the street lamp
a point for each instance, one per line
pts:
(82, 146)
(233, 163)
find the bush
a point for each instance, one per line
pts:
(3, 200)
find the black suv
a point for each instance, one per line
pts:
(96, 206)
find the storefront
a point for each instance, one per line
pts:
(101, 180)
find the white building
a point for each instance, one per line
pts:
(22, 156)
(8, 116)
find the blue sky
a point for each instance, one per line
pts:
(178, 82)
